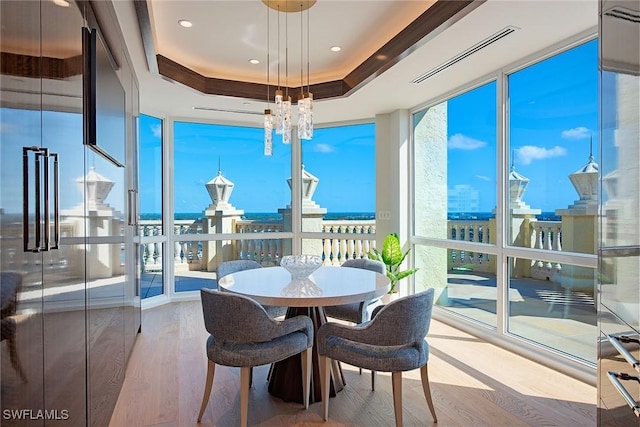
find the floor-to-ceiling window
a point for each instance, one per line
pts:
(338, 192)
(505, 202)
(150, 194)
(223, 184)
(455, 200)
(553, 199)
(223, 199)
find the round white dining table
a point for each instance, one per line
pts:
(326, 286)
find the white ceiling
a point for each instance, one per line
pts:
(226, 34)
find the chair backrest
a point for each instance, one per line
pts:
(367, 264)
(232, 317)
(404, 320)
(10, 286)
(230, 267)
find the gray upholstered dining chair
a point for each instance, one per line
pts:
(10, 287)
(243, 335)
(393, 341)
(229, 267)
(358, 312)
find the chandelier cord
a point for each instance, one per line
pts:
(278, 45)
(286, 50)
(268, 58)
(308, 52)
(301, 56)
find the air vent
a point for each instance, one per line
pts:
(221, 110)
(623, 13)
(473, 49)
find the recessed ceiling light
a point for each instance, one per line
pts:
(61, 3)
(254, 61)
(336, 48)
(185, 23)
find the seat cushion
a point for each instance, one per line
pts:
(347, 312)
(238, 354)
(377, 358)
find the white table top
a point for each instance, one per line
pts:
(326, 286)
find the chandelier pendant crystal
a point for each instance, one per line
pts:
(286, 120)
(268, 118)
(278, 116)
(268, 133)
(305, 101)
(305, 116)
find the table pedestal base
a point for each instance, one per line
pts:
(285, 379)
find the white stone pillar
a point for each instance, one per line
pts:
(312, 216)
(580, 227)
(220, 217)
(430, 151)
(100, 219)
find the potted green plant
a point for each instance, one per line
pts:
(392, 256)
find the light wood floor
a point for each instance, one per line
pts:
(473, 384)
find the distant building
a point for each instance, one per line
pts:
(463, 198)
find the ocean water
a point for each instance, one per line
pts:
(269, 216)
(341, 216)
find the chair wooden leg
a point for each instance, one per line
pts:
(424, 375)
(211, 368)
(325, 378)
(245, 378)
(373, 380)
(396, 383)
(306, 376)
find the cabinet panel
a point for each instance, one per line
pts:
(64, 283)
(21, 278)
(619, 286)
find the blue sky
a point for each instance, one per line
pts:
(553, 114)
(342, 158)
(553, 108)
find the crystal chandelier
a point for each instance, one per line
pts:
(281, 119)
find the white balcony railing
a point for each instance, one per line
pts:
(264, 250)
(546, 235)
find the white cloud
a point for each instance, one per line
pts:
(484, 178)
(8, 128)
(461, 142)
(157, 131)
(323, 148)
(580, 132)
(529, 153)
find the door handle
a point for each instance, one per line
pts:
(41, 167)
(56, 202)
(44, 154)
(133, 208)
(26, 230)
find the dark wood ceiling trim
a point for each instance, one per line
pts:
(405, 42)
(181, 74)
(257, 91)
(14, 64)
